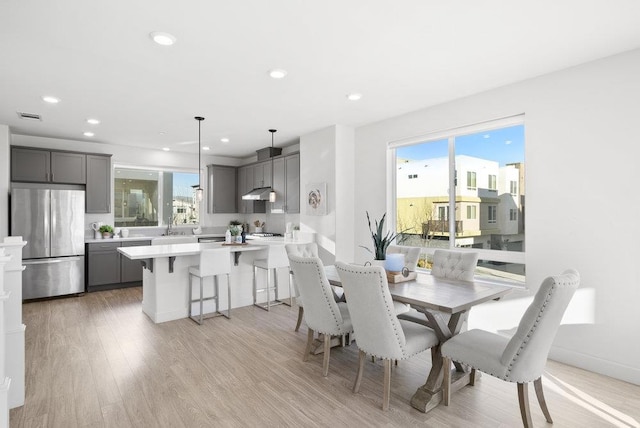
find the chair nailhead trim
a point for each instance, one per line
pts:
(391, 312)
(339, 327)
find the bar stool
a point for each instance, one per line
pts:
(276, 258)
(213, 262)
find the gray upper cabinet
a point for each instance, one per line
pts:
(279, 186)
(54, 166)
(292, 183)
(46, 166)
(286, 183)
(245, 184)
(222, 189)
(30, 165)
(98, 184)
(68, 167)
(262, 175)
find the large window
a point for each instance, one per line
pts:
(484, 212)
(154, 198)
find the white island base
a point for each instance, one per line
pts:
(165, 281)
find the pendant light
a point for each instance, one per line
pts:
(272, 193)
(199, 191)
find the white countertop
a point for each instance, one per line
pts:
(174, 250)
(149, 238)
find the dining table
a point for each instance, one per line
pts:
(437, 297)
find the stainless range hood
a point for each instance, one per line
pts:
(258, 194)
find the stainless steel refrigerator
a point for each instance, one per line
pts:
(51, 220)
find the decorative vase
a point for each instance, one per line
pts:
(258, 229)
(380, 263)
(394, 262)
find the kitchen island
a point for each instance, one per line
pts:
(165, 281)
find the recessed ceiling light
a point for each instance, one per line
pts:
(164, 39)
(277, 73)
(93, 121)
(354, 96)
(224, 140)
(88, 134)
(51, 100)
(166, 149)
(206, 148)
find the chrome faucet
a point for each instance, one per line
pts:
(169, 225)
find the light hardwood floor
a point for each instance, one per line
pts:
(97, 360)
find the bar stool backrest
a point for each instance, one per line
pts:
(215, 261)
(277, 257)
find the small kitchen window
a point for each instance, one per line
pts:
(144, 197)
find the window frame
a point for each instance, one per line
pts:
(450, 134)
(161, 214)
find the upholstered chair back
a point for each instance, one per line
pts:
(526, 353)
(378, 331)
(321, 312)
(302, 250)
(411, 255)
(451, 264)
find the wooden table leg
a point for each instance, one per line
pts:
(429, 395)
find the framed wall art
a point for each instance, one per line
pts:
(316, 198)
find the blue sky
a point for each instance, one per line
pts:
(182, 183)
(505, 145)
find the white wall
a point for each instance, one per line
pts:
(580, 190)
(4, 181)
(317, 165)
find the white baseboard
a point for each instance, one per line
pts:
(15, 366)
(4, 405)
(596, 365)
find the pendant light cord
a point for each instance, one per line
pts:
(199, 119)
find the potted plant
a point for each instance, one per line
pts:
(380, 241)
(106, 230)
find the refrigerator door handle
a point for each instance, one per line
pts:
(49, 261)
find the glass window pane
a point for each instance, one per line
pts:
(185, 205)
(135, 197)
(422, 202)
(138, 192)
(496, 159)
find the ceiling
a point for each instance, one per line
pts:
(98, 58)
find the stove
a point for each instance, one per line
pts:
(266, 234)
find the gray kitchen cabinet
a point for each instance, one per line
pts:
(30, 165)
(244, 207)
(68, 167)
(98, 184)
(131, 270)
(279, 186)
(246, 183)
(47, 166)
(108, 269)
(222, 191)
(292, 183)
(262, 174)
(286, 183)
(103, 264)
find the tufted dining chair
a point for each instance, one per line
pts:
(411, 255)
(451, 264)
(448, 264)
(376, 326)
(520, 359)
(322, 313)
(301, 250)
